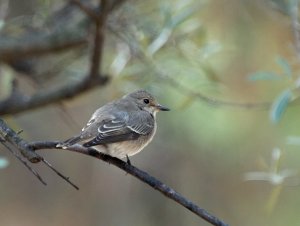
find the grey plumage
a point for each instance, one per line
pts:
(121, 128)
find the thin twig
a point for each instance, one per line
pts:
(141, 175)
(213, 101)
(10, 136)
(25, 163)
(59, 174)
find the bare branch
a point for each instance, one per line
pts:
(18, 102)
(97, 50)
(18, 52)
(22, 103)
(12, 137)
(28, 149)
(139, 174)
(99, 21)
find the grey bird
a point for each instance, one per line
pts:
(121, 128)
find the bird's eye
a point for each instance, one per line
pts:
(146, 101)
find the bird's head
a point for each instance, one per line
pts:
(145, 101)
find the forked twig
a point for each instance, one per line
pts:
(9, 135)
(25, 163)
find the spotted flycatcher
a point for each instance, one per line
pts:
(121, 128)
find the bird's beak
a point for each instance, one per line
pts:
(162, 108)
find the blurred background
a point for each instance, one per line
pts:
(227, 69)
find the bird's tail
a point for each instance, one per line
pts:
(67, 143)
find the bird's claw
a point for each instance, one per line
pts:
(128, 160)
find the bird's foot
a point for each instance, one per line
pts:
(128, 160)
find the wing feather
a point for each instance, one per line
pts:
(123, 127)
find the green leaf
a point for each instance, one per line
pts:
(264, 76)
(3, 162)
(279, 105)
(182, 16)
(285, 66)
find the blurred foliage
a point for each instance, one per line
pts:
(224, 50)
(3, 162)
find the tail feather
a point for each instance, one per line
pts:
(69, 142)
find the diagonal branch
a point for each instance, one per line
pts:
(139, 174)
(60, 174)
(27, 149)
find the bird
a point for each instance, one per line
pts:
(120, 128)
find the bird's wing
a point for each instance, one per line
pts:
(122, 127)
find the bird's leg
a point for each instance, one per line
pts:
(128, 160)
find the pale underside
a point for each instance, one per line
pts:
(126, 148)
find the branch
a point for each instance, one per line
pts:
(12, 137)
(139, 174)
(97, 53)
(19, 51)
(99, 19)
(59, 174)
(17, 102)
(28, 149)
